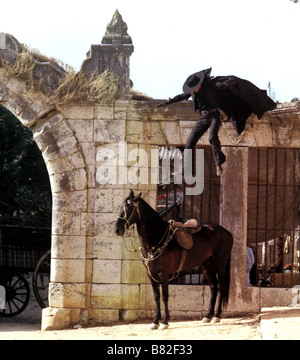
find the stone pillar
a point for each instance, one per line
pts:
(233, 216)
(113, 53)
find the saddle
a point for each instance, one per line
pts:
(184, 232)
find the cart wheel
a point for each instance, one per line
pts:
(17, 294)
(41, 279)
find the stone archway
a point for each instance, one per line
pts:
(93, 276)
(67, 171)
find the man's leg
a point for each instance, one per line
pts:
(198, 131)
(219, 157)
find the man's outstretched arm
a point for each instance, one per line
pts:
(175, 99)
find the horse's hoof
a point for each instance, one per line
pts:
(206, 320)
(163, 326)
(215, 320)
(153, 326)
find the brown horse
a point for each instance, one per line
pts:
(163, 256)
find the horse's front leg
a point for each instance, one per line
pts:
(165, 298)
(156, 294)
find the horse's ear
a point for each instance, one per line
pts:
(131, 194)
(138, 197)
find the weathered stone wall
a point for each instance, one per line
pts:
(94, 278)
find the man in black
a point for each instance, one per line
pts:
(236, 97)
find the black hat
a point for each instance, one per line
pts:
(194, 80)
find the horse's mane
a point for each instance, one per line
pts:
(146, 210)
(151, 225)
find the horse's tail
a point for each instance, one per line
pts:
(226, 284)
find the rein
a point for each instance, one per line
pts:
(130, 227)
(157, 250)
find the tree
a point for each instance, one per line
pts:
(24, 181)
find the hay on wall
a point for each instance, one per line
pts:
(69, 86)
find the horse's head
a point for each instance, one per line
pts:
(129, 213)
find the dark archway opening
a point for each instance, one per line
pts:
(25, 214)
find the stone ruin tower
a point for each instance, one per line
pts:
(113, 53)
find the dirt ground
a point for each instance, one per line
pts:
(26, 326)
(233, 329)
(273, 323)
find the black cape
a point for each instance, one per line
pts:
(237, 98)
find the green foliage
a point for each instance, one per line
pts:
(24, 180)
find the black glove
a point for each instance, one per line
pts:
(175, 99)
(164, 104)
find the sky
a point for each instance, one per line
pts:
(257, 40)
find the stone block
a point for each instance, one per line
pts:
(83, 112)
(61, 131)
(132, 315)
(105, 248)
(60, 138)
(243, 300)
(172, 132)
(144, 132)
(16, 86)
(103, 224)
(276, 297)
(68, 180)
(74, 161)
(44, 126)
(55, 319)
(68, 247)
(146, 297)
(70, 201)
(107, 271)
(67, 146)
(66, 223)
(262, 134)
(120, 110)
(29, 116)
(68, 270)
(68, 163)
(39, 105)
(100, 200)
(9, 47)
(133, 272)
(108, 131)
(105, 200)
(130, 297)
(103, 316)
(185, 298)
(106, 296)
(115, 296)
(69, 295)
(4, 95)
(88, 151)
(83, 130)
(17, 105)
(104, 112)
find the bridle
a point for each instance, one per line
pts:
(155, 252)
(129, 228)
(136, 209)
